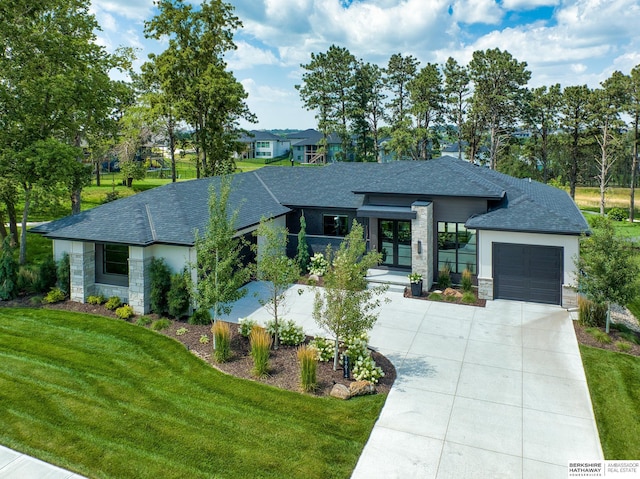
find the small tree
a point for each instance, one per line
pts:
(178, 297)
(64, 274)
(275, 268)
(607, 269)
(347, 307)
(302, 254)
(8, 270)
(160, 279)
(220, 270)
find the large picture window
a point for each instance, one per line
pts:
(112, 264)
(335, 225)
(456, 247)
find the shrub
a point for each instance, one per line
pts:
(204, 339)
(630, 336)
(363, 367)
(260, 341)
(308, 368)
(289, 332)
(302, 253)
(200, 316)
(181, 331)
(245, 325)
(623, 346)
(160, 282)
(599, 335)
(450, 298)
(47, 276)
(222, 340)
(444, 277)
(160, 324)
(318, 265)
(468, 297)
(324, 348)
(96, 299)
(466, 283)
(618, 214)
(178, 297)
(144, 321)
(435, 297)
(64, 274)
(125, 312)
(111, 196)
(591, 314)
(27, 279)
(54, 296)
(113, 303)
(8, 271)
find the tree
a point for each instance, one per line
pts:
(499, 81)
(456, 91)
(347, 307)
(605, 106)
(574, 121)
(632, 107)
(302, 252)
(275, 268)
(542, 111)
(398, 74)
(219, 266)
(608, 271)
(8, 271)
(192, 71)
(367, 110)
(427, 106)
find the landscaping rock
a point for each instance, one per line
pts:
(452, 292)
(314, 277)
(361, 388)
(340, 391)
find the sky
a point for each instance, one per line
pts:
(571, 42)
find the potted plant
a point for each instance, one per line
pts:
(416, 284)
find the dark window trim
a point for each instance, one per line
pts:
(458, 266)
(102, 265)
(340, 227)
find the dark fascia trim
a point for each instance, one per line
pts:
(541, 232)
(389, 212)
(424, 195)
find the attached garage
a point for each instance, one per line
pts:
(526, 272)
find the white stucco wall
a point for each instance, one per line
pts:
(61, 247)
(176, 257)
(571, 245)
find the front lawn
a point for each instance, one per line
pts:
(614, 385)
(107, 398)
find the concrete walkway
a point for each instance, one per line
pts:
(480, 392)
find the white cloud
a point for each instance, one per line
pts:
(248, 56)
(477, 11)
(131, 9)
(528, 4)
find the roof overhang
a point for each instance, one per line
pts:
(387, 212)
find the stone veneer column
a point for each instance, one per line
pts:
(139, 282)
(82, 262)
(422, 231)
(485, 288)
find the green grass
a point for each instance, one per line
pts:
(599, 335)
(110, 399)
(614, 385)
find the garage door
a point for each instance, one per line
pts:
(527, 272)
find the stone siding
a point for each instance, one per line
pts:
(83, 271)
(422, 242)
(485, 288)
(109, 290)
(569, 297)
(139, 285)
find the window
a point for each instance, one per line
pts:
(335, 225)
(262, 144)
(456, 247)
(112, 264)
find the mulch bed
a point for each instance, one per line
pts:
(588, 340)
(283, 373)
(481, 303)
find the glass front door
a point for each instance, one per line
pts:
(395, 243)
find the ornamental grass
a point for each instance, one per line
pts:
(222, 340)
(308, 368)
(260, 341)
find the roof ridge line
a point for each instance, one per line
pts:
(267, 188)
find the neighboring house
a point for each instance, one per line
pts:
(517, 237)
(264, 145)
(306, 147)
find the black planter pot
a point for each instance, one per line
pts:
(416, 288)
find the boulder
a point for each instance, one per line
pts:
(452, 292)
(340, 391)
(361, 388)
(314, 278)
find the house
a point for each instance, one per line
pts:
(264, 145)
(516, 236)
(306, 147)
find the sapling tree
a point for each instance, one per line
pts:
(275, 268)
(8, 270)
(346, 307)
(608, 272)
(302, 253)
(221, 272)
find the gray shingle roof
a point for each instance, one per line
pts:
(172, 213)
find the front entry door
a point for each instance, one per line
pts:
(395, 243)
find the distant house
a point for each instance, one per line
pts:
(306, 147)
(264, 145)
(517, 237)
